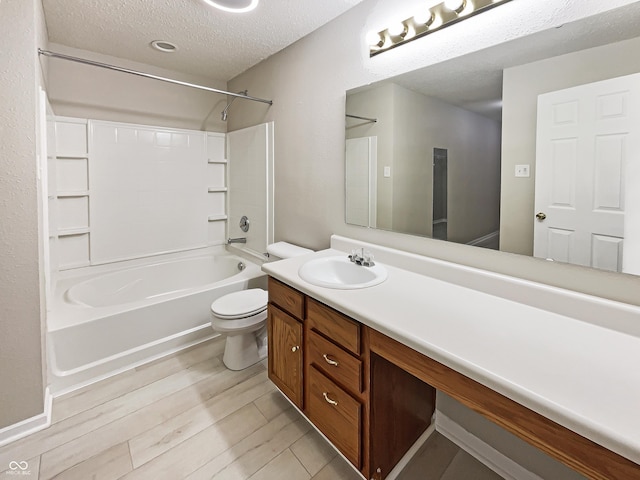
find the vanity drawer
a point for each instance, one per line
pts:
(335, 362)
(336, 414)
(286, 298)
(334, 325)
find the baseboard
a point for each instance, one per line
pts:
(30, 425)
(485, 239)
(404, 461)
(483, 452)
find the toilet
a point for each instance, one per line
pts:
(242, 316)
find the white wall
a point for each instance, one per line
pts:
(307, 82)
(148, 190)
(250, 156)
(22, 31)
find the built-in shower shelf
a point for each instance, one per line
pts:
(217, 201)
(84, 193)
(67, 232)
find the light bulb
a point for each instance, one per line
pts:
(397, 30)
(374, 39)
(425, 17)
(455, 5)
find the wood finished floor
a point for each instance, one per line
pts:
(187, 417)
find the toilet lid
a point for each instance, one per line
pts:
(240, 304)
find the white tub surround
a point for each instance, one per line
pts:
(569, 357)
(106, 319)
(120, 191)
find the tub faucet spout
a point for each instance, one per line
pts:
(237, 240)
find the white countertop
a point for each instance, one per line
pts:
(580, 375)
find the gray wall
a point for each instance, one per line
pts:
(21, 366)
(376, 103)
(77, 90)
(409, 126)
(307, 82)
(513, 447)
(521, 88)
(473, 145)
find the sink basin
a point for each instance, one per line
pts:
(339, 272)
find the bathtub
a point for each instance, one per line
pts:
(106, 319)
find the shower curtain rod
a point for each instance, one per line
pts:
(148, 75)
(372, 120)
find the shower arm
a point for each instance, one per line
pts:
(226, 109)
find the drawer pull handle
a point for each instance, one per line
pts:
(295, 349)
(328, 400)
(329, 360)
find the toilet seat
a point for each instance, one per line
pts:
(248, 324)
(239, 305)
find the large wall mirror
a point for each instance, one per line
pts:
(529, 147)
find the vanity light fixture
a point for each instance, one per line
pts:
(425, 17)
(427, 21)
(455, 5)
(234, 6)
(398, 30)
(375, 39)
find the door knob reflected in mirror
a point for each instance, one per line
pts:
(541, 216)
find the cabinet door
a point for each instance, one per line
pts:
(285, 354)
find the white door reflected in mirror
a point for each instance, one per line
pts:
(588, 142)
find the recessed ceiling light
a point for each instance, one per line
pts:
(164, 46)
(236, 6)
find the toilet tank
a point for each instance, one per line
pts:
(282, 250)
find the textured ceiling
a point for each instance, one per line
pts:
(211, 43)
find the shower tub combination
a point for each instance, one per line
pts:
(106, 319)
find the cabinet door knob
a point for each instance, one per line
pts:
(329, 360)
(295, 349)
(328, 400)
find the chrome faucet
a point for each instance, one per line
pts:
(237, 240)
(363, 258)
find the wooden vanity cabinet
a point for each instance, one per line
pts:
(285, 340)
(320, 359)
(373, 396)
(336, 395)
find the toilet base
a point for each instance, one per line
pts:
(241, 351)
